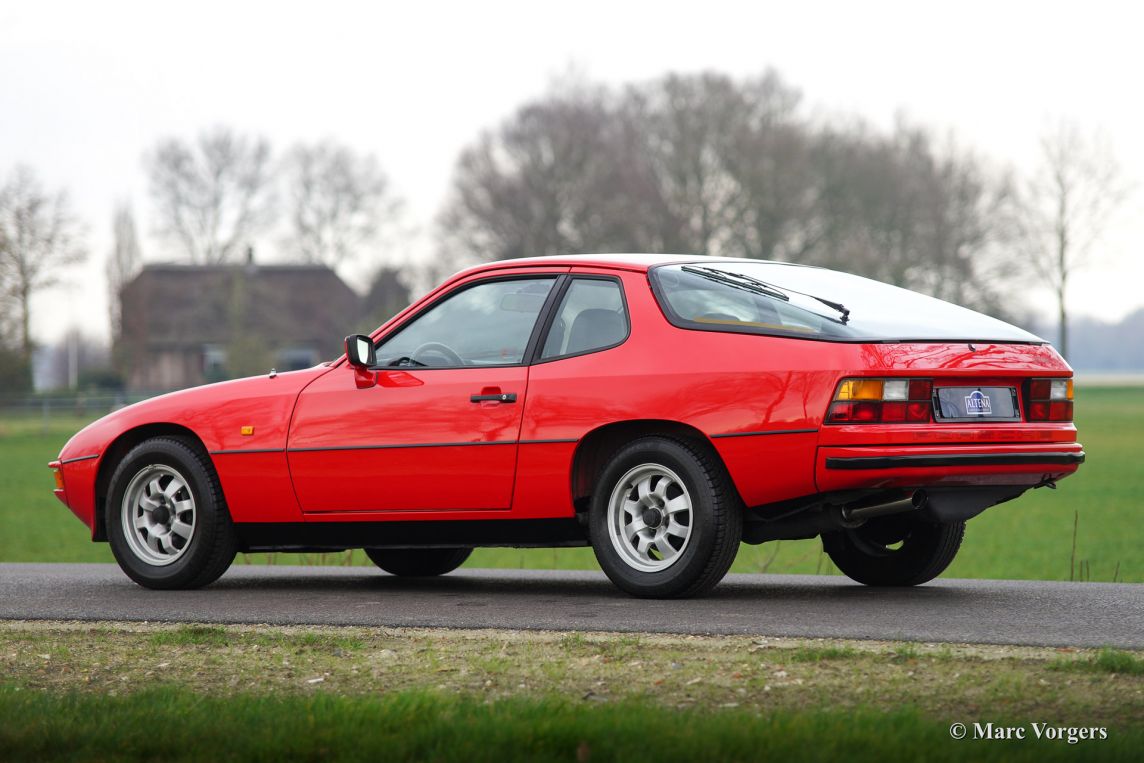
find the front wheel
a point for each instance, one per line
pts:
(664, 520)
(897, 550)
(418, 562)
(166, 519)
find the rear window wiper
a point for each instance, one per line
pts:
(741, 280)
(737, 280)
(841, 308)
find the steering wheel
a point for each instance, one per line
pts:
(440, 349)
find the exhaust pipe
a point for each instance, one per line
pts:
(914, 502)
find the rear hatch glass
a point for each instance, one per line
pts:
(752, 296)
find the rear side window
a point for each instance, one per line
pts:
(591, 316)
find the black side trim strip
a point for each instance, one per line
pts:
(78, 458)
(769, 431)
(318, 534)
(954, 459)
(393, 447)
(375, 447)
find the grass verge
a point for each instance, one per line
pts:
(176, 724)
(113, 691)
(1112, 661)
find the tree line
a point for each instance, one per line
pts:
(703, 163)
(740, 168)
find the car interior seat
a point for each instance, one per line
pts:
(595, 328)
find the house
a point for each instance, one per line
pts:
(184, 325)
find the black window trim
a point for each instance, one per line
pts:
(550, 318)
(558, 278)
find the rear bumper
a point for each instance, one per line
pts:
(891, 466)
(952, 459)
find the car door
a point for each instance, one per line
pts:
(434, 427)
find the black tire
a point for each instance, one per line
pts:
(213, 544)
(716, 520)
(418, 562)
(871, 555)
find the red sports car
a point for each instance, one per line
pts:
(662, 409)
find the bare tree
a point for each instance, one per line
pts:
(768, 154)
(39, 238)
(708, 164)
(519, 191)
(123, 261)
(15, 372)
(688, 122)
(211, 196)
(566, 173)
(340, 201)
(1064, 208)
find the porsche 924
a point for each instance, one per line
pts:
(662, 409)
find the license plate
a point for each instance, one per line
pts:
(976, 404)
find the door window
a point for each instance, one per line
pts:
(488, 324)
(592, 316)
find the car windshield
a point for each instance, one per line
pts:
(814, 303)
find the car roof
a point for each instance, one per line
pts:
(625, 261)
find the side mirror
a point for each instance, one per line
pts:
(360, 351)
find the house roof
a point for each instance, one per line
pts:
(206, 304)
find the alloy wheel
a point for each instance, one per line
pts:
(650, 517)
(158, 514)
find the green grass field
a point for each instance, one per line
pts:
(1091, 528)
(117, 691)
(173, 724)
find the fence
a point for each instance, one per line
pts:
(53, 409)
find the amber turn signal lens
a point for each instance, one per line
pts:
(59, 478)
(860, 389)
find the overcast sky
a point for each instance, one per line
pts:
(86, 87)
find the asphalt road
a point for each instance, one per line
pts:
(959, 611)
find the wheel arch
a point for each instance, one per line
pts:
(119, 448)
(597, 447)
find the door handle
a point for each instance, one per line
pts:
(499, 397)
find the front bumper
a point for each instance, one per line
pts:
(75, 485)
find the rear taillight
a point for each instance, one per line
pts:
(882, 401)
(1049, 400)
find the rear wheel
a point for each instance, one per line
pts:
(418, 562)
(166, 519)
(664, 520)
(895, 550)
